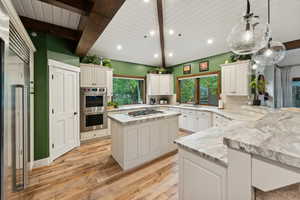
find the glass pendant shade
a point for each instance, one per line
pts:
(248, 36)
(271, 54)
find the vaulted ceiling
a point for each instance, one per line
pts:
(127, 36)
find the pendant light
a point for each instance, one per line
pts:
(249, 35)
(274, 52)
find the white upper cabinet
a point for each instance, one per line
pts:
(236, 78)
(160, 84)
(96, 76)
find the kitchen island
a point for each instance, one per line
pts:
(138, 139)
(230, 163)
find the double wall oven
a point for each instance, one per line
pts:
(93, 109)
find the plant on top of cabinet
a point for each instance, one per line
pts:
(158, 70)
(94, 59)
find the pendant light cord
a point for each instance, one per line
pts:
(269, 13)
(248, 8)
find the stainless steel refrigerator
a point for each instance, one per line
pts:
(14, 120)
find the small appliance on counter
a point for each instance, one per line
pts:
(163, 101)
(93, 109)
(152, 101)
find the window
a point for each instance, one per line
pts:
(128, 90)
(209, 90)
(200, 89)
(187, 91)
(296, 92)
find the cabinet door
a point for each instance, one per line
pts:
(155, 84)
(109, 84)
(229, 80)
(87, 77)
(100, 77)
(200, 183)
(203, 121)
(242, 79)
(164, 81)
(144, 140)
(131, 144)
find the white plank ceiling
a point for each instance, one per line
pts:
(44, 12)
(128, 27)
(196, 20)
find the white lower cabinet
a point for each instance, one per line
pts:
(136, 144)
(201, 179)
(194, 120)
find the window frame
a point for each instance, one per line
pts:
(197, 85)
(132, 77)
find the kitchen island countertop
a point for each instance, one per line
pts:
(126, 119)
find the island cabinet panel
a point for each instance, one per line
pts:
(200, 178)
(133, 145)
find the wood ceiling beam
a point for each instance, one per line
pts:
(101, 14)
(295, 44)
(161, 31)
(81, 7)
(59, 31)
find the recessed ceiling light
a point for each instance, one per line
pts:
(146, 1)
(171, 32)
(152, 33)
(156, 55)
(171, 54)
(119, 47)
(210, 41)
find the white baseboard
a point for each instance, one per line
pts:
(42, 163)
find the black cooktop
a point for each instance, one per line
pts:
(144, 112)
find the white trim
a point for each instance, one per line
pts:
(41, 163)
(14, 18)
(139, 79)
(62, 65)
(200, 76)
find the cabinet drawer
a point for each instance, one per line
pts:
(203, 114)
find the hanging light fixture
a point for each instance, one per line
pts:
(273, 52)
(249, 35)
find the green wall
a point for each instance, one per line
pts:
(214, 64)
(48, 47)
(126, 68)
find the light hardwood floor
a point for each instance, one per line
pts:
(90, 173)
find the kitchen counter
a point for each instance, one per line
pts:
(247, 113)
(125, 119)
(275, 137)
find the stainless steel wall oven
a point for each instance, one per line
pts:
(93, 109)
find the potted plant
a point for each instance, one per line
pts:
(91, 59)
(111, 105)
(94, 59)
(258, 87)
(235, 57)
(106, 62)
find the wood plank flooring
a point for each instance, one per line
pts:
(90, 173)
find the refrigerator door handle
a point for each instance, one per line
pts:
(19, 141)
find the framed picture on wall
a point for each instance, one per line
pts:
(204, 66)
(187, 69)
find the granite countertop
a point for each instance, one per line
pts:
(275, 137)
(244, 114)
(208, 144)
(125, 119)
